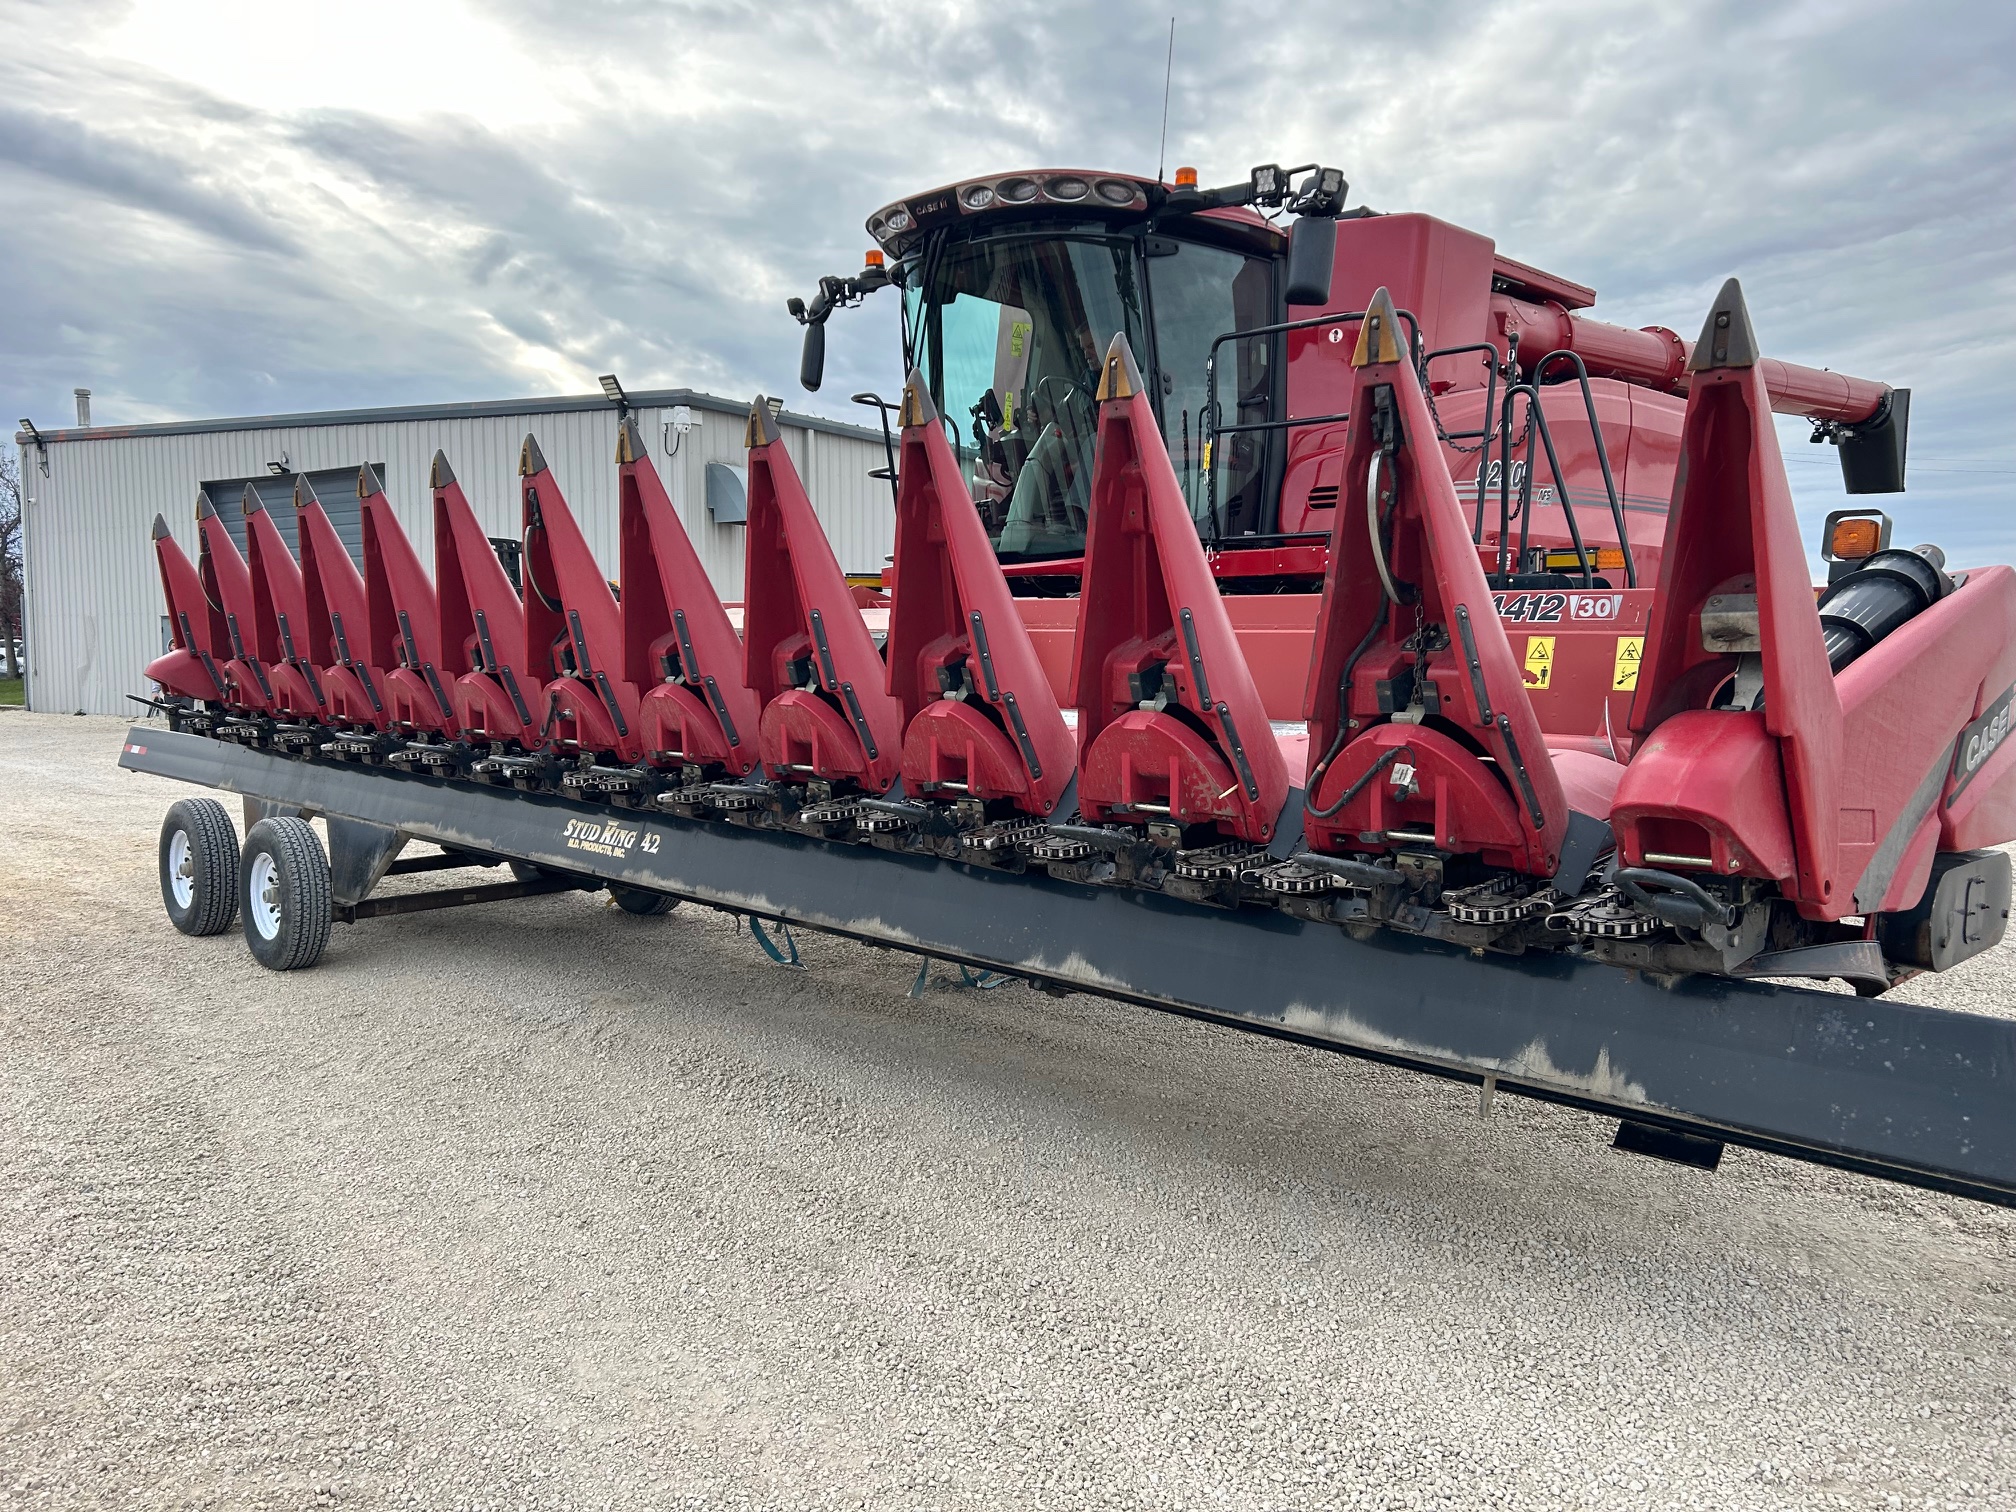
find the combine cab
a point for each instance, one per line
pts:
(1335, 632)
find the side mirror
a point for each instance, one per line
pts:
(812, 361)
(1312, 252)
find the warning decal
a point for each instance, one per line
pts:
(1539, 660)
(1624, 672)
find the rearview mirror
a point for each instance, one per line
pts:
(1312, 251)
(812, 361)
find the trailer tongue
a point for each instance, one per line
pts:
(1438, 865)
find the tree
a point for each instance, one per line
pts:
(10, 558)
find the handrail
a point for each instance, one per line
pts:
(1536, 423)
(1484, 436)
(1602, 455)
(1211, 430)
(882, 407)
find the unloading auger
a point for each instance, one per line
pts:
(1422, 871)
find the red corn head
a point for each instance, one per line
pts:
(405, 637)
(806, 652)
(1842, 786)
(677, 641)
(227, 582)
(573, 629)
(280, 614)
(482, 623)
(338, 625)
(1413, 674)
(1169, 721)
(198, 636)
(980, 718)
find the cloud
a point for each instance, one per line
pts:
(242, 207)
(130, 177)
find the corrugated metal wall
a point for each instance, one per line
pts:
(94, 597)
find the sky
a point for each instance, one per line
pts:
(242, 207)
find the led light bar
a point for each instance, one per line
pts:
(896, 222)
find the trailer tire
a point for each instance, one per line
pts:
(283, 893)
(645, 905)
(528, 871)
(199, 867)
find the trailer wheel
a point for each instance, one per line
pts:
(199, 867)
(283, 888)
(645, 905)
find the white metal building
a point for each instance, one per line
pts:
(94, 613)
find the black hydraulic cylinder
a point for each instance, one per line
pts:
(1888, 588)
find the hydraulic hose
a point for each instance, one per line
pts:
(1372, 527)
(1343, 721)
(1385, 759)
(1668, 895)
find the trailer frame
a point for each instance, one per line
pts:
(1920, 1096)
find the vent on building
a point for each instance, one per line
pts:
(728, 493)
(336, 487)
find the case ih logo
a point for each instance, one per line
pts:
(1979, 741)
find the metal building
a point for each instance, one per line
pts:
(94, 614)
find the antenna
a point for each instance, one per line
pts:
(1168, 68)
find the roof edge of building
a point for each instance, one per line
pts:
(475, 410)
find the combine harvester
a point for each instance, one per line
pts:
(1454, 695)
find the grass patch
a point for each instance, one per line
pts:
(10, 690)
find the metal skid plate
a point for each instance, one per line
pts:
(1914, 1094)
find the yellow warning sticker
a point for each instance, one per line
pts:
(1539, 660)
(1624, 672)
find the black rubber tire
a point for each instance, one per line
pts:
(528, 871)
(212, 858)
(645, 905)
(299, 884)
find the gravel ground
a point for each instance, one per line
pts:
(542, 1205)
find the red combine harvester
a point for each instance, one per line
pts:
(1331, 632)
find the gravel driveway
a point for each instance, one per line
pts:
(542, 1205)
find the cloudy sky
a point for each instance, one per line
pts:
(244, 206)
